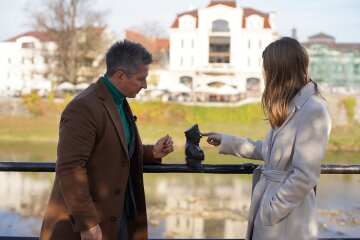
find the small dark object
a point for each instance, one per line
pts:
(194, 154)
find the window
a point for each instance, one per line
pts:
(260, 44)
(219, 49)
(249, 61)
(253, 84)
(187, 81)
(181, 61)
(249, 43)
(220, 26)
(192, 43)
(357, 69)
(27, 45)
(215, 59)
(182, 43)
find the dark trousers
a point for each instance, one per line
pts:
(123, 231)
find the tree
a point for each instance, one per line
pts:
(150, 29)
(79, 34)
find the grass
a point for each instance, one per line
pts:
(157, 119)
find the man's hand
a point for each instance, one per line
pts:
(163, 147)
(213, 138)
(93, 233)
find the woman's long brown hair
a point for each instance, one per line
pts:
(285, 63)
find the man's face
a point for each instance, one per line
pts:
(131, 85)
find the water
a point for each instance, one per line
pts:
(180, 205)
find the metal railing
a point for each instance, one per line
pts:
(246, 168)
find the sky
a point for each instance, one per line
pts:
(338, 18)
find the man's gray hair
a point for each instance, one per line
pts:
(126, 56)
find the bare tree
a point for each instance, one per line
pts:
(79, 34)
(150, 29)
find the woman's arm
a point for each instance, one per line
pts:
(237, 146)
(241, 147)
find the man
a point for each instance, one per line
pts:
(98, 191)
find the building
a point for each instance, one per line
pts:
(29, 62)
(23, 62)
(159, 47)
(332, 63)
(215, 52)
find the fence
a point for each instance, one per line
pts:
(246, 168)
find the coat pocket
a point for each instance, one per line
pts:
(270, 215)
(273, 232)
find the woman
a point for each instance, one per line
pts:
(283, 204)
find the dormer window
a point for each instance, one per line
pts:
(187, 22)
(254, 22)
(220, 26)
(27, 45)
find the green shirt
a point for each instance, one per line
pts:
(119, 101)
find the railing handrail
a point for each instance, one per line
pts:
(246, 168)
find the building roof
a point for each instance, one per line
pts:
(229, 3)
(41, 35)
(250, 11)
(321, 36)
(152, 45)
(330, 42)
(193, 13)
(247, 12)
(48, 36)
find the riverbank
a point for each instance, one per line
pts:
(155, 121)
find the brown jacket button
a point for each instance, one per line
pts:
(117, 190)
(123, 163)
(113, 219)
(72, 219)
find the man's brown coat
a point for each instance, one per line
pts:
(92, 170)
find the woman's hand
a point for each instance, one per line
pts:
(213, 138)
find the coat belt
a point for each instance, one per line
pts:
(276, 176)
(271, 175)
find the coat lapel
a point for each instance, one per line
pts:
(296, 103)
(110, 107)
(277, 130)
(137, 135)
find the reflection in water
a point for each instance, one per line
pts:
(23, 197)
(24, 193)
(184, 205)
(201, 207)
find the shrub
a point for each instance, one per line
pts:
(350, 104)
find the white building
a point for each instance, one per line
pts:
(219, 45)
(27, 63)
(23, 63)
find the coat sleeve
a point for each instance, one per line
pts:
(76, 141)
(311, 139)
(241, 147)
(148, 156)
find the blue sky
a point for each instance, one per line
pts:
(339, 18)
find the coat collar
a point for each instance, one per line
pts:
(304, 94)
(295, 104)
(110, 106)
